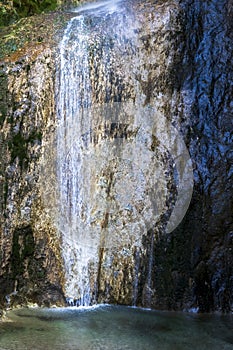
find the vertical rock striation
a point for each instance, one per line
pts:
(210, 81)
(192, 265)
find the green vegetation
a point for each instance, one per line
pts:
(11, 11)
(7, 14)
(31, 7)
(31, 31)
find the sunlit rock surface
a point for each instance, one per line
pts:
(110, 244)
(30, 253)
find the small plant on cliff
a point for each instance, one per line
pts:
(31, 7)
(13, 10)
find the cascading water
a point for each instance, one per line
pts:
(77, 162)
(73, 171)
(113, 156)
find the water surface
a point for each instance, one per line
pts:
(113, 328)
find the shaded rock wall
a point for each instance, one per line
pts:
(212, 82)
(193, 264)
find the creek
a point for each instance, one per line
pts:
(113, 328)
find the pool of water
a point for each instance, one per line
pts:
(113, 328)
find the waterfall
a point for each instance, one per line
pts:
(77, 161)
(113, 154)
(73, 171)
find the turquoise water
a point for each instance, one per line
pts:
(113, 328)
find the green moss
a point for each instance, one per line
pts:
(30, 7)
(7, 14)
(11, 12)
(41, 274)
(31, 30)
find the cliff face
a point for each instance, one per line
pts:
(204, 239)
(30, 261)
(185, 69)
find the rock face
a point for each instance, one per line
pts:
(209, 80)
(172, 58)
(204, 239)
(31, 269)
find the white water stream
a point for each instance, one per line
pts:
(82, 205)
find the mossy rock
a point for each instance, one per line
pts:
(11, 11)
(45, 28)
